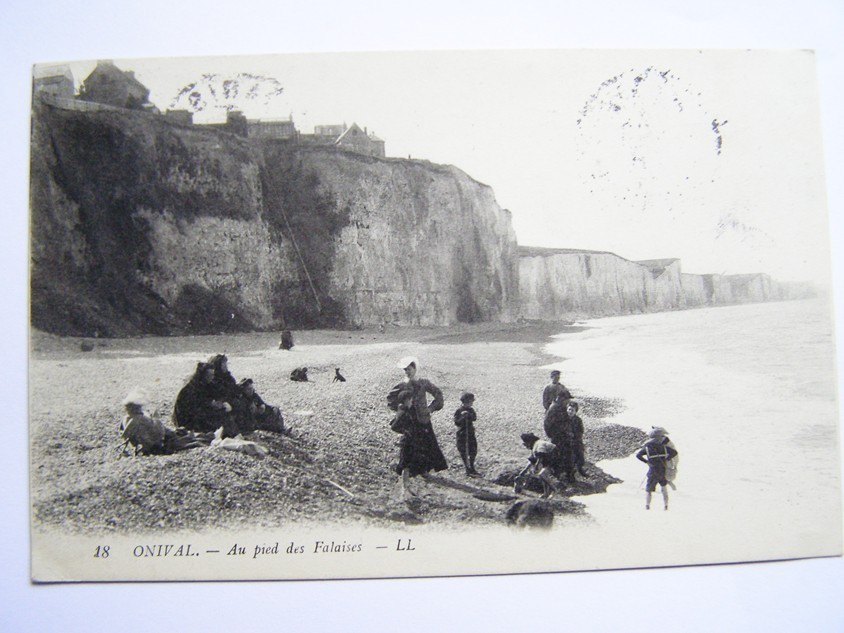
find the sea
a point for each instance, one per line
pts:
(748, 396)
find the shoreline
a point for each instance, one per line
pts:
(340, 435)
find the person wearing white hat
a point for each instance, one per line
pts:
(419, 450)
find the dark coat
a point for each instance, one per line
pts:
(195, 408)
(419, 450)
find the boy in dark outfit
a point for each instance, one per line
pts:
(655, 453)
(554, 389)
(467, 444)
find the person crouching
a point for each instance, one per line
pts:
(540, 464)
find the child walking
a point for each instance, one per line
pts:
(655, 453)
(467, 443)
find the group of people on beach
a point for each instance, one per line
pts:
(213, 399)
(211, 404)
(214, 405)
(559, 457)
(551, 461)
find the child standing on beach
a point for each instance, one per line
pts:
(655, 453)
(467, 444)
(554, 389)
(661, 434)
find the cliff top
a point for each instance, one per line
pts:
(542, 251)
(658, 263)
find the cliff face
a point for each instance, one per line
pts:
(557, 284)
(423, 244)
(142, 226)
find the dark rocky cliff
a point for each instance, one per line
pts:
(143, 226)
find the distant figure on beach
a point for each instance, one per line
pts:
(672, 464)
(467, 443)
(198, 406)
(286, 341)
(553, 389)
(655, 453)
(252, 413)
(338, 377)
(575, 427)
(300, 374)
(540, 464)
(419, 451)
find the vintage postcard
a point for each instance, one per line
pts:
(429, 313)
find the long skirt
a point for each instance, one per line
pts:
(419, 451)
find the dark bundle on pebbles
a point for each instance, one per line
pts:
(531, 513)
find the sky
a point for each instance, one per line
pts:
(710, 156)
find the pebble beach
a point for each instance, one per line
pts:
(335, 466)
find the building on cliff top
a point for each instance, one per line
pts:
(236, 123)
(109, 85)
(56, 81)
(181, 117)
(351, 138)
(361, 141)
(272, 128)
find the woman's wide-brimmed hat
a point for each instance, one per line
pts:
(407, 361)
(136, 396)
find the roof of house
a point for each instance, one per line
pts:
(107, 69)
(44, 72)
(353, 130)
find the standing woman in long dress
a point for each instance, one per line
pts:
(419, 450)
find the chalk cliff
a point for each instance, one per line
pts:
(422, 244)
(572, 284)
(140, 225)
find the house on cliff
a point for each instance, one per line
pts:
(360, 141)
(352, 138)
(180, 117)
(109, 85)
(236, 123)
(56, 81)
(272, 128)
